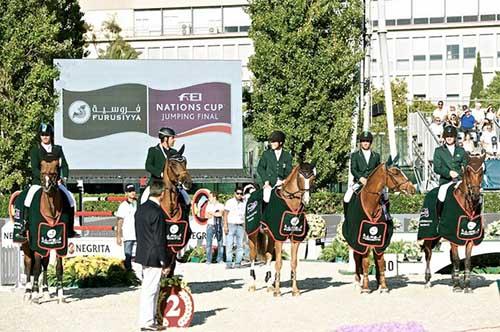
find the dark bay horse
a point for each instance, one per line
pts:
(383, 176)
(295, 192)
(468, 196)
(176, 176)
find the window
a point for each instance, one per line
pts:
(423, 20)
(207, 20)
(147, 22)
(488, 17)
(390, 22)
(469, 52)
(419, 58)
(236, 20)
(452, 52)
(437, 19)
(454, 19)
(434, 57)
(177, 22)
(404, 21)
(471, 18)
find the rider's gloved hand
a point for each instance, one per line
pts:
(453, 174)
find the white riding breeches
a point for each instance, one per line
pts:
(443, 189)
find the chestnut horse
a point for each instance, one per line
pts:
(295, 191)
(175, 177)
(382, 177)
(468, 196)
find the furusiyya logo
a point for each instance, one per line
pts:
(51, 233)
(295, 221)
(174, 229)
(79, 112)
(471, 225)
(373, 230)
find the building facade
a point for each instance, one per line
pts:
(433, 45)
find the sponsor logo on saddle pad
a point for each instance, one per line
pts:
(424, 213)
(373, 230)
(176, 233)
(17, 213)
(51, 237)
(252, 206)
(372, 234)
(469, 229)
(174, 229)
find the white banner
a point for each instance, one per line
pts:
(95, 246)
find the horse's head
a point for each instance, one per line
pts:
(397, 181)
(473, 176)
(49, 175)
(176, 170)
(306, 174)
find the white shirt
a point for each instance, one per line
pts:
(451, 148)
(277, 153)
(437, 129)
(439, 113)
(491, 116)
(126, 211)
(47, 147)
(211, 208)
(486, 140)
(235, 211)
(478, 115)
(367, 154)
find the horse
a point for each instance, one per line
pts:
(175, 176)
(467, 194)
(373, 234)
(293, 194)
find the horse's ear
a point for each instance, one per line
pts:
(391, 162)
(181, 150)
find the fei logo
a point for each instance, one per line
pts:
(79, 112)
(190, 96)
(174, 229)
(295, 221)
(373, 230)
(471, 225)
(51, 233)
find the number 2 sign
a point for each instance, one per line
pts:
(179, 308)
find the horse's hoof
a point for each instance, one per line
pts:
(384, 290)
(270, 289)
(427, 285)
(457, 289)
(276, 293)
(468, 290)
(296, 293)
(252, 288)
(365, 290)
(61, 300)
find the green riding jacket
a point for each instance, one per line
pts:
(359, 167)
(37, 153)
(270, 169)
(444, 162)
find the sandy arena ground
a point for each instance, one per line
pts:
(222, 303)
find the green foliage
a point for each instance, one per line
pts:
(477, 81)
(334, 251)
(395, 247)
(93, 271)
(197, 255)
(118, 48)
(32, 34)
(492, 92)
(306, 78)
(399, 90)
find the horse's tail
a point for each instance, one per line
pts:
(262, 240)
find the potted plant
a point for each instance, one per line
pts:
(198, 255)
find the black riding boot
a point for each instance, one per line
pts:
(439, 208)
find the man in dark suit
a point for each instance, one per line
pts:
(150, 230)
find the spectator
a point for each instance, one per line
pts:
(125, 225)
(451, 111)
(215, 211)
(150, 231)
(468, 143)
(454, 120)
(490, 114)
(467, 121)
(436, 128)
(439, 112)
(487, 138)
(478, 115)
(234, 227)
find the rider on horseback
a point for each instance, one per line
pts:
(155, 161)
(449, 161)
(275, 164)
(46, 149)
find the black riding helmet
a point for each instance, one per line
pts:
(277, 136)
(165, 132)
(45, 129)
(450, 131)
(366, 136)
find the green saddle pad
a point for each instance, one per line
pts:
(283, 223)
(362, 233)
(253, 211)
(20, 218)
(458, 227)
(428, 222)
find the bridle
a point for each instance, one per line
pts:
(398, 185)
(470, 188)
(301, 191)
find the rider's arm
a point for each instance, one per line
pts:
(150, 164)
(35, 163)
(439, 167)
(64, 166)
(356, 172)
(261, 168)
(288, 165)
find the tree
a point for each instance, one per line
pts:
(492, 92)
(477, 81)
(306, 77)
(118, 48)
(399, 90)
(31, 36)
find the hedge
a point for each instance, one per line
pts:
(322, 202)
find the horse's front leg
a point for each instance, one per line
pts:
(380, 262)
(456, 268)
(278, 246)
(293, 264)
(45, 284)
(366, 266)
(252, 243)
(468, 254)
(269, 257)
(358, 261)
(36, 275)
(28, 271)
(59, 276)
(428, 254)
